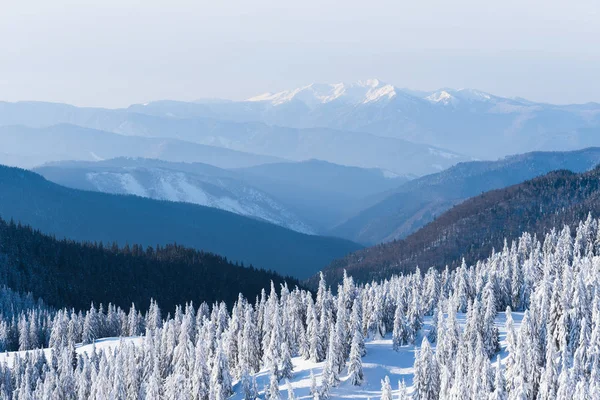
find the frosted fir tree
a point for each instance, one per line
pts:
(250, 348)
(489, 329)
(566, 385)
(402, 392)
(356, 324)
(386, 389)
(286, 367)
(341, 327)
(355, 370)
(273, 349)
(331, 370)
(324, 391)
(325, 326)
(399, 334)
(414, 317)
(273, 389)
(314, 389)
(153, 389)
(482, 376)
(249, 386)
(90, 326)
(118, 384)
(290, 391)
(426, 376)
(445, 382)
(433, 332)
(499, 392)
(220, 379)
(316, 346)
(153, 317)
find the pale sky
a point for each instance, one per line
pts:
(116, 52)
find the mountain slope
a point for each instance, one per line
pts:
(71, 274)
(473, 228)
(190, 183)
(92, 216)
(321, 193)
(418, 202)
(27, 147)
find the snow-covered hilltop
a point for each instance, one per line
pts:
(442, 335)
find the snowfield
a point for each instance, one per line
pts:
(101, 344)
(381, 360)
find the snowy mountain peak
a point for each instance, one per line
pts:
(366, 91)
(473, 95)
(441, 96)
(455, 96)
(374, 91)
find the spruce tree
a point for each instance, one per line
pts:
(386, 389)
(355, 370)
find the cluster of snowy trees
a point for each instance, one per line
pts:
(203, 352)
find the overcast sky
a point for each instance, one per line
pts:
(117, 52)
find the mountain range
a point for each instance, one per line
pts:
(479, 225)
(30, 199)
(412, 205)
(310, 196)
(302, 123)
(350, 148)
(194, 183)
(29, 147)
(465, 121)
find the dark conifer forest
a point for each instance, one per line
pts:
(480, 225)
(70, 274)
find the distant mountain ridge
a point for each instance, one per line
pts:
(198, 124)
(479, 225)
(92, 216)
(196, 183)
(310, 196)
(369, 124)
(467, 121)
(418, 202)
(28, 147)
(322, 193)
(370, 91)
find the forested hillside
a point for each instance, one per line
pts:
(475, 227)
(70, 274)
(418, 202)
(90, 216)
(523, 323)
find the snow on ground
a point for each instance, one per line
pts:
(101, 344)
(381, 360)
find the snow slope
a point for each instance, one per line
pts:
(101, 344)
(380, 361)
